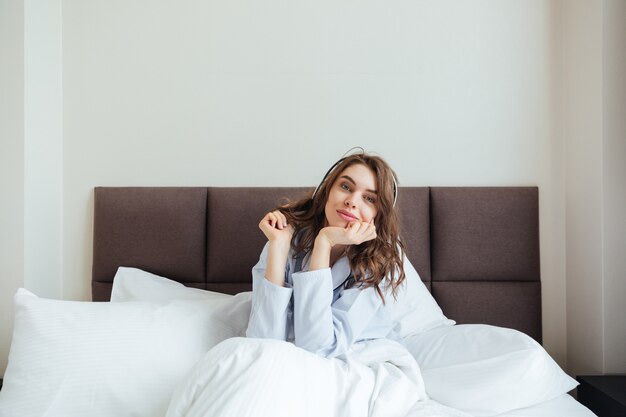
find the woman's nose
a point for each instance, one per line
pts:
(349, 203)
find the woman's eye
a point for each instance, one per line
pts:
(370, 199)
(344, 187)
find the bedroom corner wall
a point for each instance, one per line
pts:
(43, 148)
(582, 130)
(614, 185)
(11, 165)
(31, 161)
(594, 104)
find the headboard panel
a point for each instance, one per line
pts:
(234, 239)
(157, 229)
(485, 255)
(476, 248)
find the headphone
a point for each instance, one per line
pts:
(393, 178)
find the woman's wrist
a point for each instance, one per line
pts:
(322, 238)
(280, 245)
(320, 258)
(277, 254)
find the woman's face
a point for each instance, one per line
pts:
(352, 197)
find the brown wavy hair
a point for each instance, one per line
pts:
(373, 262)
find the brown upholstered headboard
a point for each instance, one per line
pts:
(475, 248)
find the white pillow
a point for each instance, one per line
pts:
(415, 309)
(71, 358)
(486, 370)
(132, 284)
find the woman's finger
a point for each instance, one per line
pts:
(265, 219)
(272, 219)
(367, 232)
(278, 218)
(363, 227)
(354, 228)
(282, 220)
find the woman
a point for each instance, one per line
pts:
(323, 282)
(330, 260)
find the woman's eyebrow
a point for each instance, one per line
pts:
(354, 183)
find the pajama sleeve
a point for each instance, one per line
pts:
(324, 327)
(270, 304)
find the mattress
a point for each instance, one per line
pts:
(563, 406)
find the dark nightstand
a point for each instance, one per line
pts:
(605, 395)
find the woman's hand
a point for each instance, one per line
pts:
(355, 233)
(274, 226)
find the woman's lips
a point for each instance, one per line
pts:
(346, 216)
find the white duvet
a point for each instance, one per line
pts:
(262, 377)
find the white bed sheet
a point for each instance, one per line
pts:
(563, 406)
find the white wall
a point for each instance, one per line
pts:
(238, 93)
(11, 165)
(582, 120)
(594, 105)
(43, 148)
(235, 93)
(614, 185)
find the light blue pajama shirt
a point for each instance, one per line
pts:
(314, 310)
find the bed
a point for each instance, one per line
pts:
(476, 250)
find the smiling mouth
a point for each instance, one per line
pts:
(346, 216)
